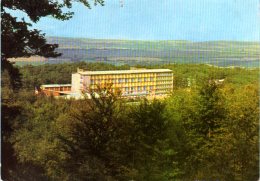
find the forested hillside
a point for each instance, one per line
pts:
(131, 52)
(202, 131)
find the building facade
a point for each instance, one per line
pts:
(138, 82)
(55, 89)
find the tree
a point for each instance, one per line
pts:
(93, 138)
(10, 111)
(150, 148)
(34, 141)
(181, 110)
(73, 140)
(208, 119)
(210, 109)
(198, 114)
(18, 40)
(236, 149)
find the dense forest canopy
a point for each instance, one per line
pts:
(202, 131)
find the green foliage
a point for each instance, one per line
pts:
(239, 139)
(93, 137)
(208, 116)
(38, 129)
(210, 109)
(10, 110)
(205, 131)
(151, 150)
(33, 76)
(220, 124)
(18, 40)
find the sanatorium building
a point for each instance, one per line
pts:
(131, 83)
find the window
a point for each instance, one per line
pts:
(120, 80)
(126, 89)
(151, 87)
(151, 78)
(138, 88)
(139, 79)
(132, 80)
(126, 80)
(144, 88)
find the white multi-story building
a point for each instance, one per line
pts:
(137, 82)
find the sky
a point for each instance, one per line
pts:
(193, 20)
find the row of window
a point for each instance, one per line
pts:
(129, 75)
(121, 80)
(164, 74)
(125, 80)
(151, 87)
(139, 88)
(117, 77)
(144, 88)
(164, 87)
(163, 78)
(163, 82)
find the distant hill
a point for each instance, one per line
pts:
(221, 53)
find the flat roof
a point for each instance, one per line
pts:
(124, 71)
(56, 85)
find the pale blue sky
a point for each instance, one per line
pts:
(195, 20)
